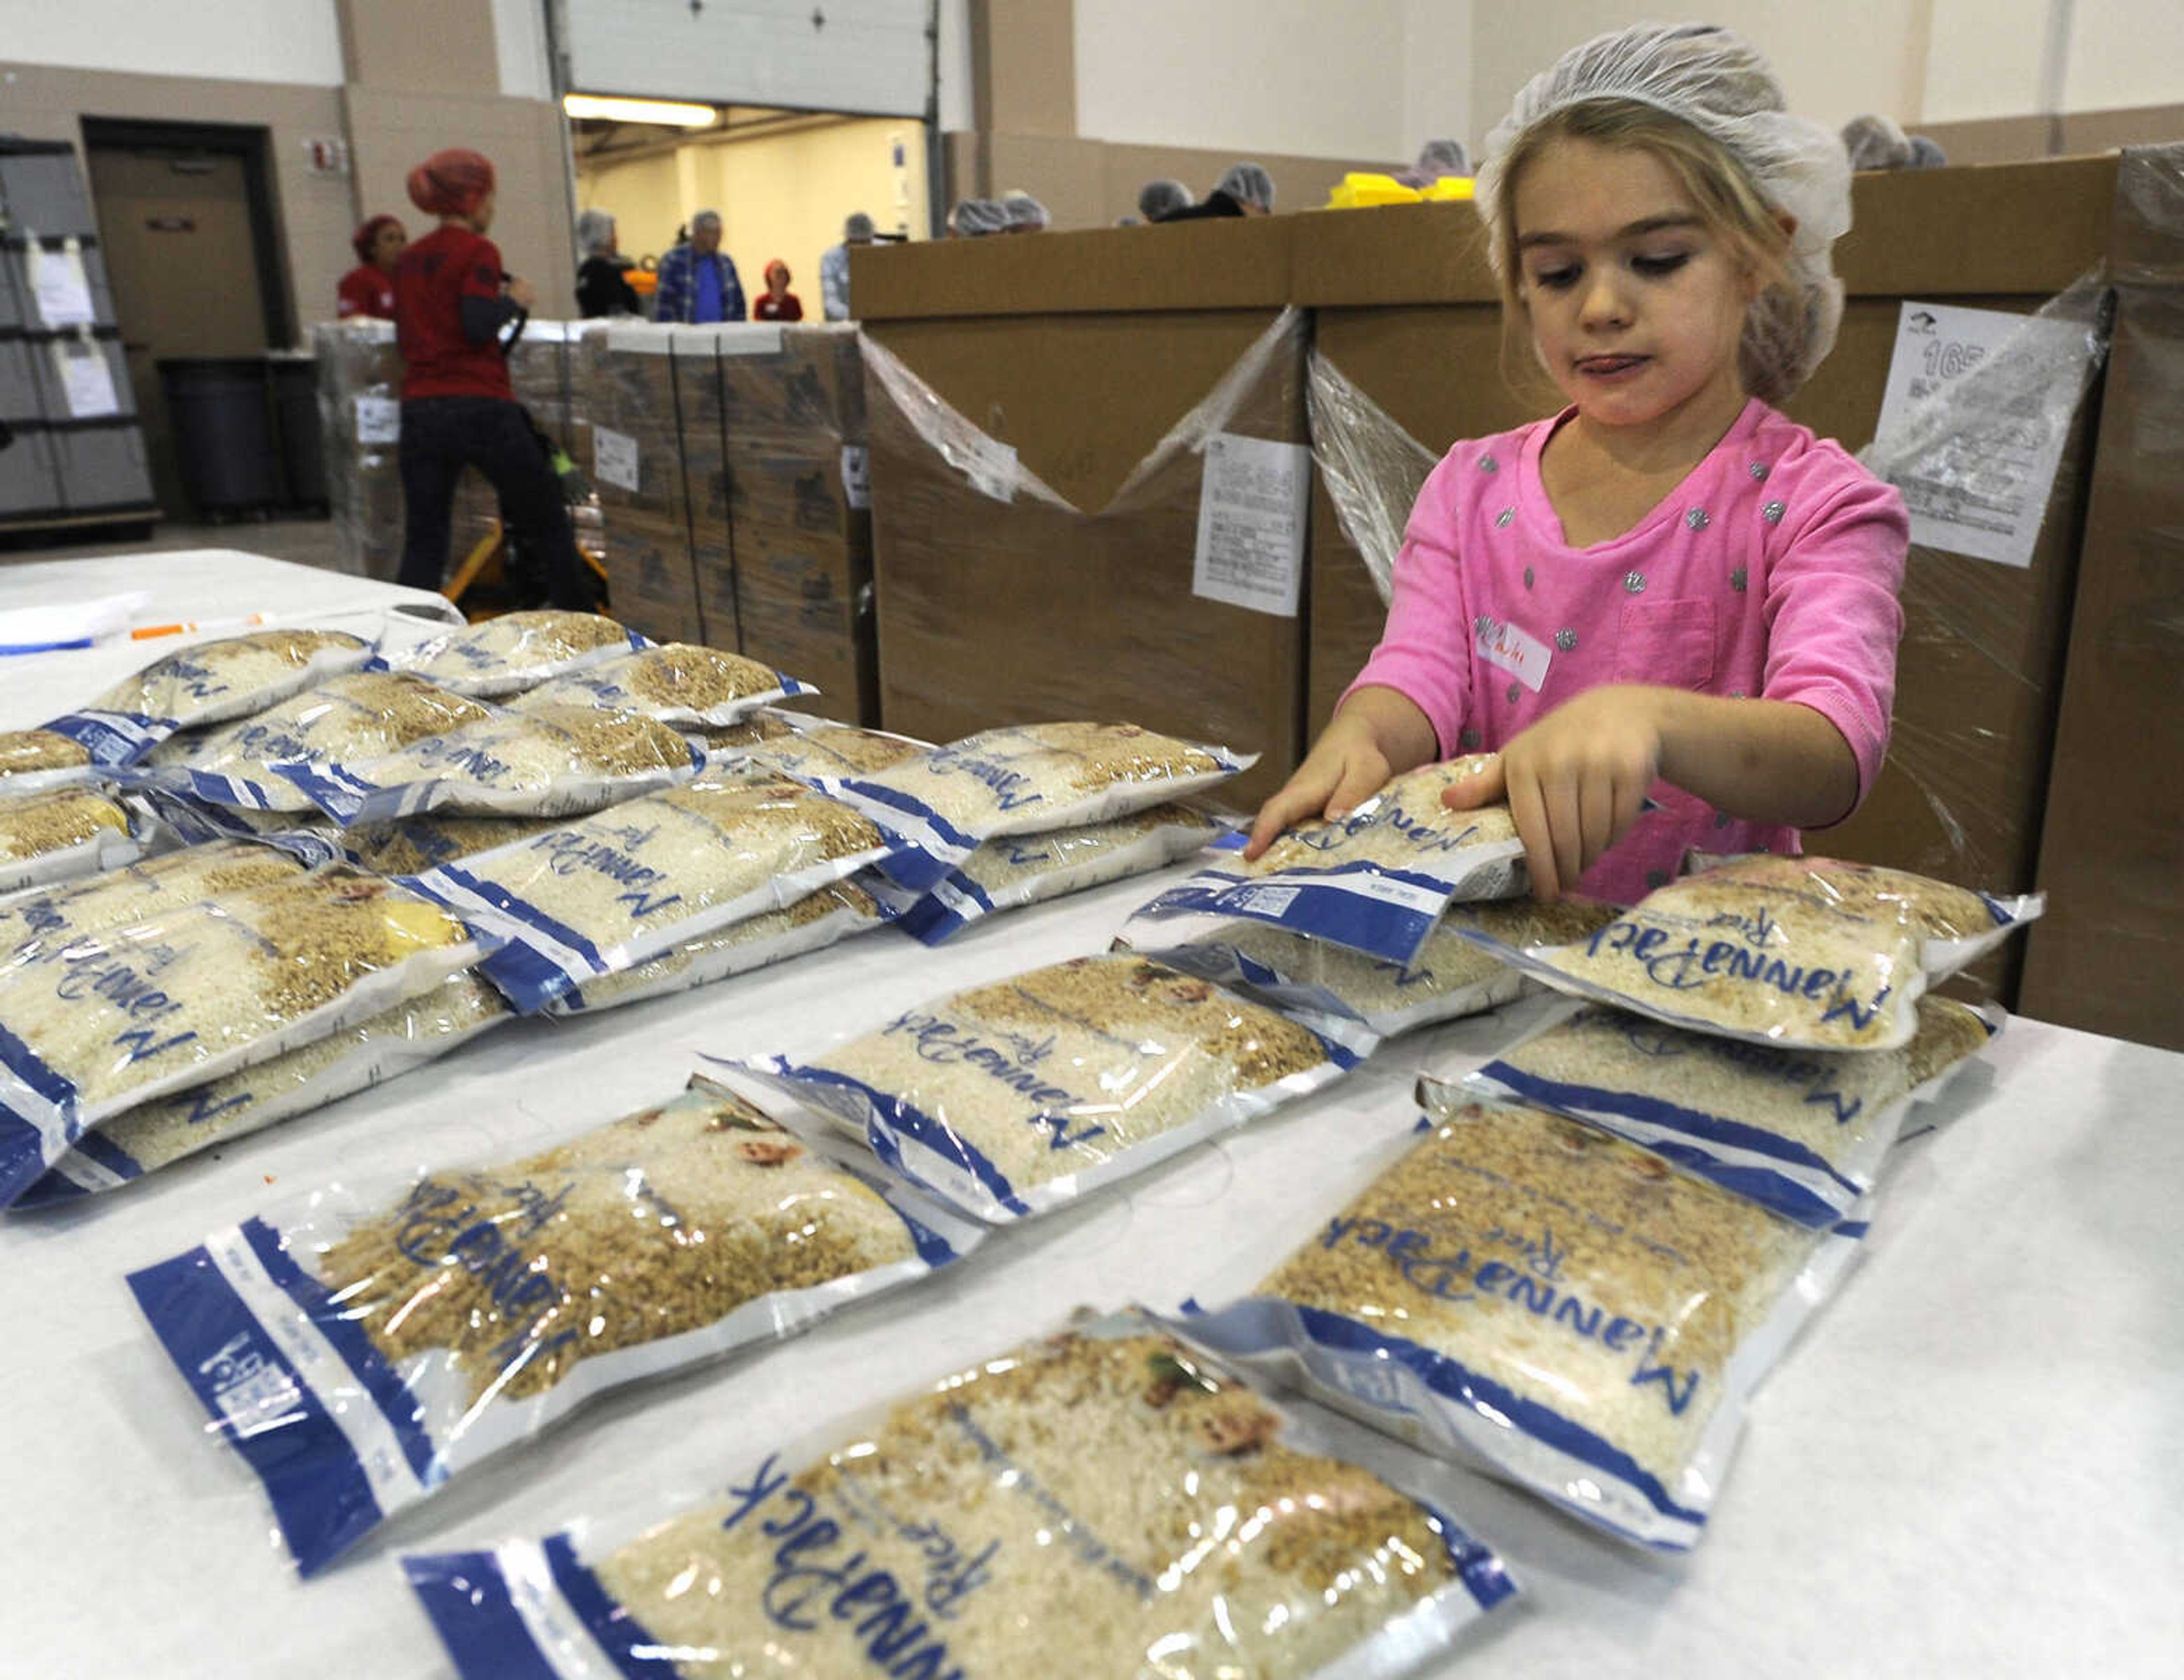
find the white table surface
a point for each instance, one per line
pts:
(1971, 1464)
(188, 586)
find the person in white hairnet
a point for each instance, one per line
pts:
(1026, 214)
(1437, 160)
(1665, 590)
(1159, 199)
(834, 266)
(1875, 143)
(975, 218)
(1244, 189)
(1926, 153)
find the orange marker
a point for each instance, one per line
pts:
(149, 631)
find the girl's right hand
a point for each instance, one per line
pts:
(1345, 768)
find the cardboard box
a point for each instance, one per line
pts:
(1081, 352)
(1406, 308)
(626, 376)
(2112, 847)
(357, 362)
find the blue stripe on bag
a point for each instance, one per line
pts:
(320, 1495)
(466, 1597)
(620, 1634)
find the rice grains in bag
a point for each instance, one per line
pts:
(62, 835)
(168, 1129)
(1569, 1308)
(1799, 951)
(1108, 1504)
(789, 743)
(677, 683)
(1804, 1132)
(363, 715)
(518, 650)
(555, 761)
(827, 917)
(91, 1029)
(35, 760)
(602, 894)
(36, 925)
(1451, 977)
(1026, 780)
(411, 845)
(1376, 879)
(1014, 1098)
(1030, 868)
(207, 683)
(360, 1350)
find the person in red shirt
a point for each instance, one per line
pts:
(368, 289)
(456, 310)
(779, 303)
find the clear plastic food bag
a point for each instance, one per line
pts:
(36, 924)
(63, 834)
(518, 650)
(35, 760)
(677, 683)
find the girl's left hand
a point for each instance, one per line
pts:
(1575, 782)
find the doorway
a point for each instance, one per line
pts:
(186, 223)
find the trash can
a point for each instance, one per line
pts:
(223, 428)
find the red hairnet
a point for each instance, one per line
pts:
(451, 183)
(368, 235)
(778, 264)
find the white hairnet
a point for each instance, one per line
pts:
(1022, 210)
(1926, 153)
(1875, 143)
(857, 227)
(1157, 198)
(974, 217)
(594, 232)
(1719, 84)
(1249, 184)
(1439, 158)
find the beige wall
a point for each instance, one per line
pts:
(779, 196)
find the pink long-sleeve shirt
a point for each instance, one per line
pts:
(1771, 570)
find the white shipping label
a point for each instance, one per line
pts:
(1252, 511)
(857, 475)
(378, 420)
(1526, 658)
(1978, 485)
(59, 285)
(613, 458)
(86, 380)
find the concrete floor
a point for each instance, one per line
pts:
(307, 542)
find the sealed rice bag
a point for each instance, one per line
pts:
(517, 651)
(1798, 951)
(1108, 1503)
(1377, 880)
(1804, 1132)
(1529, 1292)
(207, 683)
(605, 893)
(791, 744)
(63, 834)
(360, 1349)
(1011, 1098)
(1451, 977)
(1030, 869)
(1026, 780)
(94, 1028)
(363, 715)
(677, 683)
(827, 917)
(34, 760)
(555, 761)
(168, 1129)
(411, 845)
(35, 926)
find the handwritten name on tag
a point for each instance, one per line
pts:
(1526, 658)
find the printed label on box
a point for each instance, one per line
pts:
(1251, 512)
(613, 458)
(87, 381)
(857, 475)
(378, 420)
(60, 286)
(1980, 485)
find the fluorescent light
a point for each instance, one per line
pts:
(660, 111)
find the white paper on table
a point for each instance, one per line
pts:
(1252, 510)
(63, 622)
(613, 458)
(87, 381)
(59, 285)
(378, 420)
(1981, 487)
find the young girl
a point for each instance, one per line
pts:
(1667, 589)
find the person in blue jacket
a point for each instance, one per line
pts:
(697, 279)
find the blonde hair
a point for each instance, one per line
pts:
(1718, 187)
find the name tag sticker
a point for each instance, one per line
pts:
(1526, 658)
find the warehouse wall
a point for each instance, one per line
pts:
(290, 41)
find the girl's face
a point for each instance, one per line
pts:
(777, 281)
(1635, 306)
(387, 246)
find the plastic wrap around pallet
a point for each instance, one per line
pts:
(977, 558)
(360, 419)
(1373, 470)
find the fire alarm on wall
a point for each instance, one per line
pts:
(327, 156)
